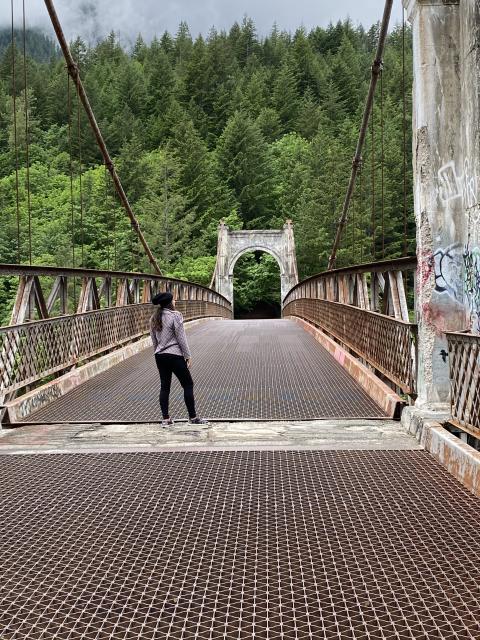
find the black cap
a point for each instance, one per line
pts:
(163, 299)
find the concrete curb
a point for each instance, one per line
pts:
(22, 407)
(381, 393)
(458, 458)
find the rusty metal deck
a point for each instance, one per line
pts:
(237, 545)
(266, 369)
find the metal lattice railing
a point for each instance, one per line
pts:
(30, 352)
(384, 342)
(464, 357)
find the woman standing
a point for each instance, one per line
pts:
(172, 355)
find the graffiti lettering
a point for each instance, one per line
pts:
(450, 183)
(471, 259)
(448, 271)
(453, 185)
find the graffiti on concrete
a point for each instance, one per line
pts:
(448, 265)
(471, 257)
(464, 186)
(457, 275)
(425, 267)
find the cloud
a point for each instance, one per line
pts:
(95, 18)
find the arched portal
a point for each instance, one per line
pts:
(233, 244)
(257, 286)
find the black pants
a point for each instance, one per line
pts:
(167, 364)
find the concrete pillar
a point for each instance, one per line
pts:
(223, 284)
(446, 170)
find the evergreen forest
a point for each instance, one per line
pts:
(231, 125)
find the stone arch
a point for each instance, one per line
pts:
(241, 253)
(233, 244)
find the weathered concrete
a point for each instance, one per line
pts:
(446, 153)
(20, 408)
(315, 435)
(233, 244)
(385, 397)
(461, 460)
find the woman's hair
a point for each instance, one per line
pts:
(156, 319)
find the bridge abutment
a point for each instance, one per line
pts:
(446, 145)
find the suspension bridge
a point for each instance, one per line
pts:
(334, 493)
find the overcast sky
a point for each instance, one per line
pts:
(93, 18)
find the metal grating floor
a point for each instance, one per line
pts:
(266, 369)
(237, 545)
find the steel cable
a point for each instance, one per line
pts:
(15, 134)
(405, 227)
(382, 162)
(27, 136)
(80, 159)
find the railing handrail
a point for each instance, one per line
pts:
(408, 263)
(465, 334)
(32, 351)
(36, 323)
(464, 365)
(33, 270)
(68, 316)
(377, 314)
(397, 365)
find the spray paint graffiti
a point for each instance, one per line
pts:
(471, 259)
(457, 275)
(448, 264)
(453, 185)
(457, 267)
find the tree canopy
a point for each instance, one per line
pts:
(233, 126)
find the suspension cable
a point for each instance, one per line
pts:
(72, 203)
(107, 216)
(361, 209)
(375, 71)
(27, 136)
(15, 134)
(382, 163)
(74, 73)
(404, 127)
(132, 247)
(354, 210)
(70, 145)
(114, 229)
(80, 160)
(373, 221)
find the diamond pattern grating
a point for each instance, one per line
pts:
(267, 369)
(264, 545)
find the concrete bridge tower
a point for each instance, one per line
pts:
(233, 244)
(446, 155)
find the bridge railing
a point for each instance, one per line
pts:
(32, 351)
(366, 309)
(45, 292)
(464, 359)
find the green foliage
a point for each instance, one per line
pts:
(228, 126)
(39, 46)
(245, 164)
(195, 269)
(257, 278)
